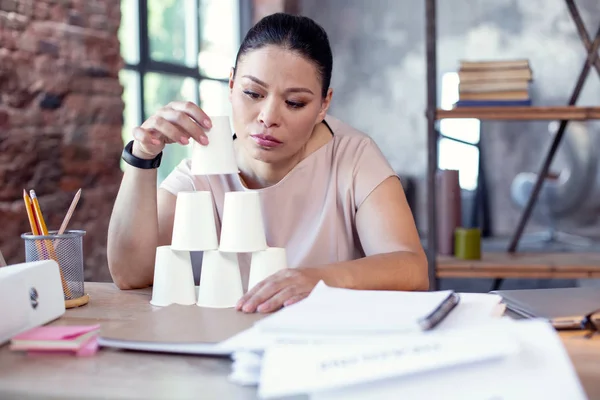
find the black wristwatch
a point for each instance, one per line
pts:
(140, 162)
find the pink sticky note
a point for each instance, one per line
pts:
(46, 333)
(88, 349)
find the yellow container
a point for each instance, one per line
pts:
(467, 243)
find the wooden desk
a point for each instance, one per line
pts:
(134, 375)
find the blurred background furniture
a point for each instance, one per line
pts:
(564, 192)
(496, 265)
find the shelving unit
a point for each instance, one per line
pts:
(531, 113)
(506, 265)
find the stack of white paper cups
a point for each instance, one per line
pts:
(194, 229)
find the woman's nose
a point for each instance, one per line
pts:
(270, 114)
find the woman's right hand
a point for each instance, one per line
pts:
(177, 122)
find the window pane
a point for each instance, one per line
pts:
(173, 31)
(219, 35)
(461, 157)
(131, 97)
(466, 129)
(129, 31)
(160, 90)
(214, 98)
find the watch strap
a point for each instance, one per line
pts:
(137, 162)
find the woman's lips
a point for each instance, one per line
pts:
(266, 140)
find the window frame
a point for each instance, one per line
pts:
(145, 64)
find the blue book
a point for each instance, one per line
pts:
(492, 103)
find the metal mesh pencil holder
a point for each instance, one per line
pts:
(67, 250)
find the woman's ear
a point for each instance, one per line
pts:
(231, 76)
(325, 105)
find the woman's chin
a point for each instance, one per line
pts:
(266, 155)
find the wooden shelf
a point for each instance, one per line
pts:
(522, 265)
(522, 113)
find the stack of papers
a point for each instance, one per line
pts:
(344, 344)
(329, 310)
(333, 316)
(540, 369)
(76, 340)
(301, 369)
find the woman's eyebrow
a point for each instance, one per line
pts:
(289, 90)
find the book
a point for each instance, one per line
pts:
(492, 103)
(507, 95)
(493, 64)
(495, 75)
(493, 86)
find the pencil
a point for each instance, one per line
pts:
(30, 214)
(65, 222)
(37, 211)
(34, 226)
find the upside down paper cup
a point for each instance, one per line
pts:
(194, 227)
(242, 229)
(265, 263)
(218, 156)
(220, 280)
(173, 278)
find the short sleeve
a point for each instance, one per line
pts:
(371, 169)
(180, 179)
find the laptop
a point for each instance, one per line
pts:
(564, 308)
(178, 329)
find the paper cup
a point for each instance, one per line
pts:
(173, 278)
(220, 280)
(194, 226)
(242, 229)
(218, 156)
(265, 263)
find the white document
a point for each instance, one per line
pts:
(473, 309)
(247, 346)
(298, 369)
(330, 310)
(541, 370)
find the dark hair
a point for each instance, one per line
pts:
(292, 32)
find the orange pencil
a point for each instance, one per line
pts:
(33, 224)
(37, 211)
(30, 214)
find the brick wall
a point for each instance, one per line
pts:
(60, 118)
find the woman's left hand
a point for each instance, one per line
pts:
(281, 289)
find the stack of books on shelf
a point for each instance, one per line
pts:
(494, 83)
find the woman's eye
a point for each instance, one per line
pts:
(295, 104)
(251, 94)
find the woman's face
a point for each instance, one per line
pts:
(276, 102)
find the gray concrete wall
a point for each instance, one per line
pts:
(379, 78)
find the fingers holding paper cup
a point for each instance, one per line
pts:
(178, 122)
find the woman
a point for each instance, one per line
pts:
(328, 194)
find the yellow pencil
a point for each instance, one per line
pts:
(38, 213)
(30, 213)
(44, 231)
